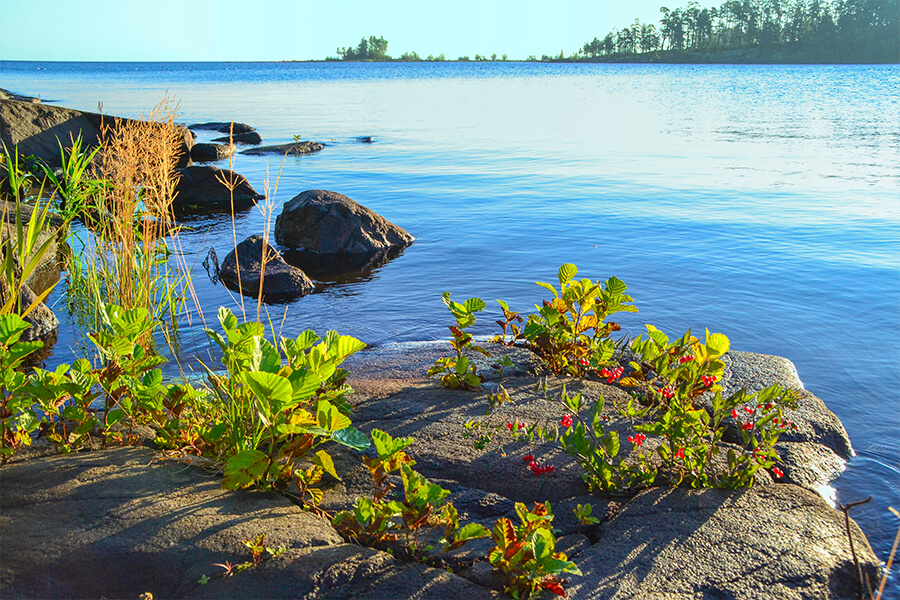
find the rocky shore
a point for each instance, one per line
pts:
(125, 521)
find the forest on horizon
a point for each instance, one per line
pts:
(740, 31)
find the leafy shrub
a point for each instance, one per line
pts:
(420, 515)
(570, 332)
(525, 553)
(460, 371)
(267, 412)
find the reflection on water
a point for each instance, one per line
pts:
(759, 201)
(332, 270)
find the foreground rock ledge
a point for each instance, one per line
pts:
(159, 526)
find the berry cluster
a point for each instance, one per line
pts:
(566, 421)
(708, 380)
(686, 359)
(638, 439)
(612, 374)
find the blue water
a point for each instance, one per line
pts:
(759, 201)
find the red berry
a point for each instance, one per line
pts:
(679, 453)
(566, 421)
(748, 410)
(734, 414)
(747, 426)
(778, 472)
(529, 458)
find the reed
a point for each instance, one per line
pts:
(126, 257)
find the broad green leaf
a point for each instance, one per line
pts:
(547, 286)
(272, 389)
(542, 542)
(386, 446)
(244, 468)
(227, 319)
(351, 437)
(717, 343)
(472, 531)
(324, 460)
(347, 345)
(566, 273)
(473, 305)
(615, 286)
(330, 418)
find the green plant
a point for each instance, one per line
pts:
(460, 371)
(570, 332)
(131, 239)
(297, 139)
(669, 377)
(76, 190)
(17, 419)
(267, 412)
(258, 551)
(509, 325)
(525, 553)
(21, 249)
(421, 515)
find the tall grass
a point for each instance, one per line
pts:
(130, 233)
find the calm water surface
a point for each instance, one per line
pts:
(759, 201)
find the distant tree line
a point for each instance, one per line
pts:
(816, 30)
(851, 31)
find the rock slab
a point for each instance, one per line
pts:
(119, 523)
(211, 152)
(244, 273)
(293, 149)
(326, 222)
(205, 188)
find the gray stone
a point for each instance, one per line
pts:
(203, 188)
(39, 129)
(155, 527)
(331, 223)
(211, 152)
(292, 149)
(245, 273)
(813, 421)
(250, 138)
(222, 127)
(777, 541)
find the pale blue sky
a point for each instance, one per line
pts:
(247, 30)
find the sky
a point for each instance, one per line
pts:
(272, 30)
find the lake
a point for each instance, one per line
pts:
(762, 202)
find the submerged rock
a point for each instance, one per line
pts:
(250, 138)
(211, 152)
(330, 223)
(203, 188)
(244, 273)
(294, 149)
(222, 127)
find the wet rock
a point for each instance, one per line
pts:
(250, 138)
(330, 223)
(211, 152)
(245, 273)
(204, 189)
(222, 127)
(293, 149)
(365, 139)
